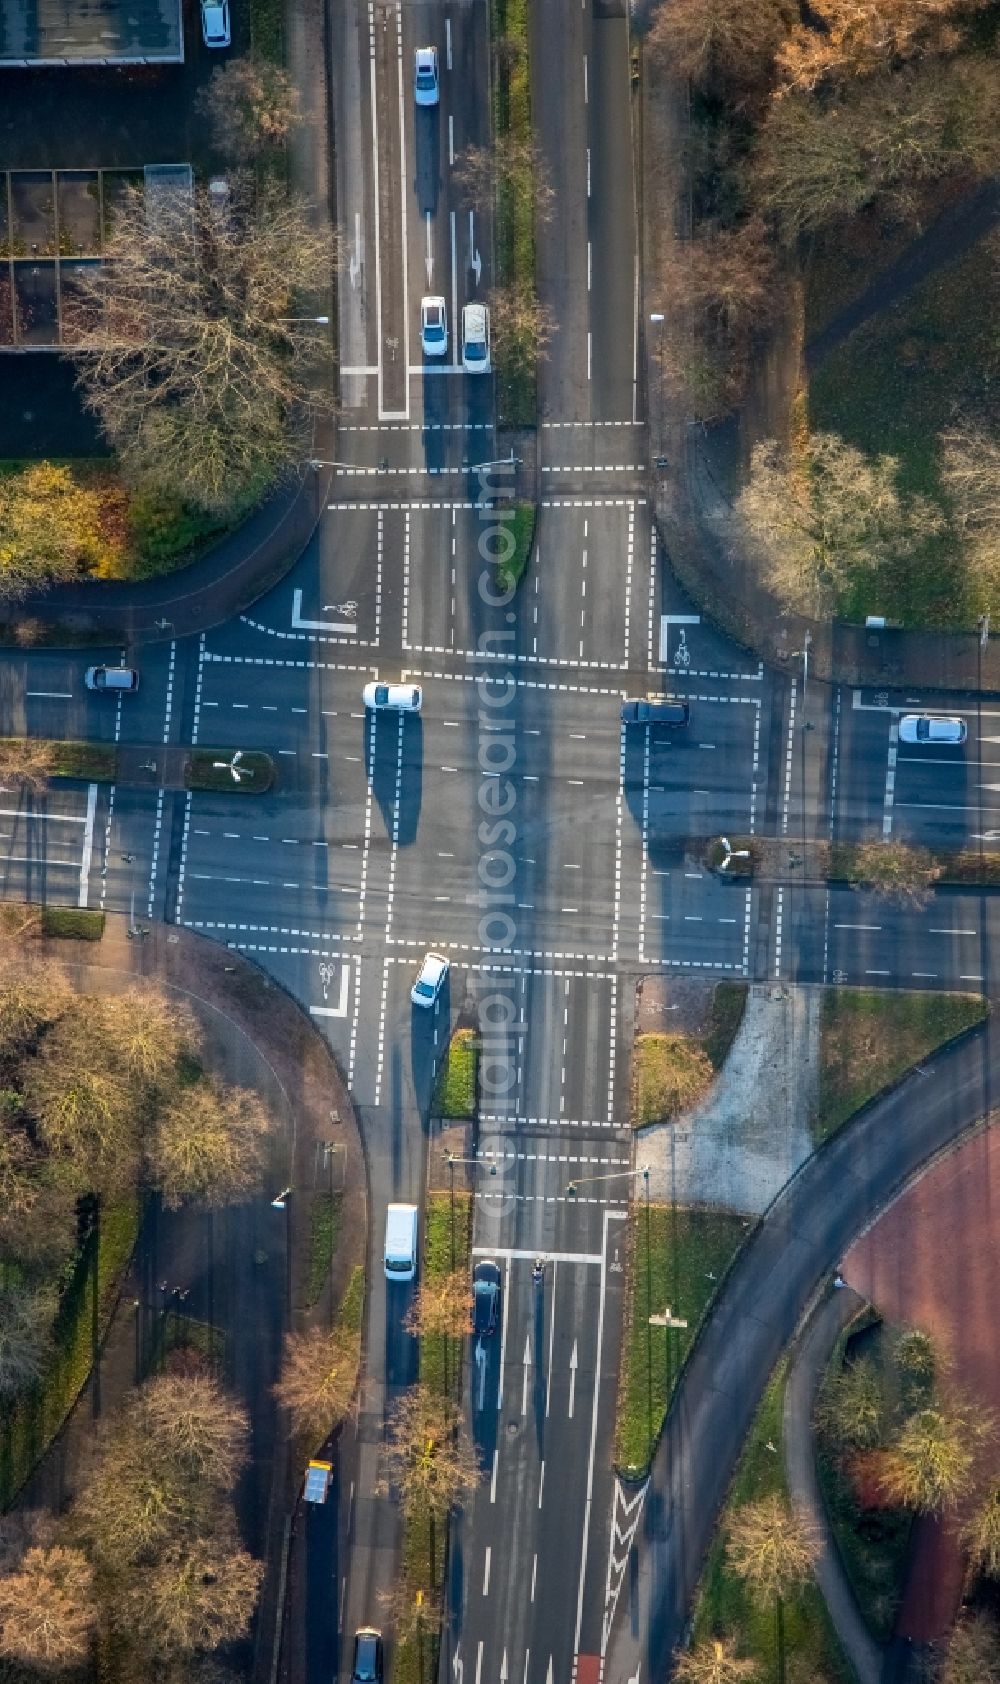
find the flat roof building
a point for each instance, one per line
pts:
(68, 32)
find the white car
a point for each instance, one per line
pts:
(476, 339)
(404, 698)
(215, 31)
(432, 978)
(426, 84)
(115, 679)
(434, 327)
(931, 728)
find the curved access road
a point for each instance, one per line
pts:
(835, 1195)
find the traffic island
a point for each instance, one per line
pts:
(243, 771)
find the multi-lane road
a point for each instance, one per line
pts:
(514, 824)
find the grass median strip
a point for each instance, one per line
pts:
(871, 1037)
(515, 348)
(243, 771)
(519, 523)
(455, 1088)
(32, 761)
(676, 1258)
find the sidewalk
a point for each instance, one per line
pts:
(810, 1357)
(223, 582)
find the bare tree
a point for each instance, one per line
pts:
(47, 1609)
(26, 762)
(209, 1144)
(26, 1315)
(773, 1549)
(200, 1594)
(970, 469)
(201, 349)
(318, 1376)
(714, 1662)
(931, 1465)
(195, 1428)
(981, 1536)
(883, 139)
(724, 279)
(32, 996)
(522, 327)
(718, 42)
(251, 104)
(145, 1029)
(973, 1652)
(894, 871)
(852, 1409)
(441, 1306)
(825, 518)
(86, 1116)
(512, 164)
(431, 1458)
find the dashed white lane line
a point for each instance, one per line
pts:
(88, 845)
(789, 745)
(890, 777)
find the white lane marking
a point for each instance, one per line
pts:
(486, 1570)
(890, 778)
(299, 624)
(506, 1306)
(586, 85)
(479, 1660)
(88, 845)
(451, 140)
(447, 41)
(609, 1216)
(339, 1010)
(541, 1483)
(552, 1331)
(937, 932)
(572, 1380)
(857, 926)
(58, 695)
(41, 818)
(454, 280)
(527, 1374)
(493, 1479)
(534, 1570)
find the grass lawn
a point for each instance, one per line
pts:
(670, 1073)
(728, 1004)
(92, 762)
(869, 1038)
(892, 388)
(724, 1609)
(519, 521)
(28, 1427)
(202, 772)
(684, 1248)
(447, 1246)
(72, 923)
(325, 1213)
(455, 1088)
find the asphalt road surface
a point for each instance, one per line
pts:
(514, 825)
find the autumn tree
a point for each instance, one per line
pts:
(319, 1372)
(970, 469)
(718, 42)
(85, 1112)
(826, 518)
(47, 1609)
(973, 1655)
(773, 1549)
(209, 1144)
(144, 1030)
(714, 1662)
(718, 291)
(852, 1409)
(26, 763)
(252, 106)
(894, 870)
(201, 353)
(431, 1458)
(50, 528)
(817, 162)
(844, 40)
(26, 1315)
(930, 1466)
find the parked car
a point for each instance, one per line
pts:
(434, 327)
(432, 976)
(426, 82)
(931, 728)
(485, 1298)
(476, 339)
(656, 710)
(111, 678)
(405, 698)
(367, 1667)
(215, 30)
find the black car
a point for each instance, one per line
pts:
(656, 710)
(367, 1656)
(485, 1298)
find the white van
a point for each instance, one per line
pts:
(400, 1256)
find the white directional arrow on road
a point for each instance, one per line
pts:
(503, 1669)
(572, 1380)
(481, 1365)
(475, 261)
(457, 1665)
(527, 1373)
(428, 260)
(356, 253)
(548, 1675)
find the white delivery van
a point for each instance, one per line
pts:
(401, 1242)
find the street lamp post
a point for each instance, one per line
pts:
(451, 1159)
